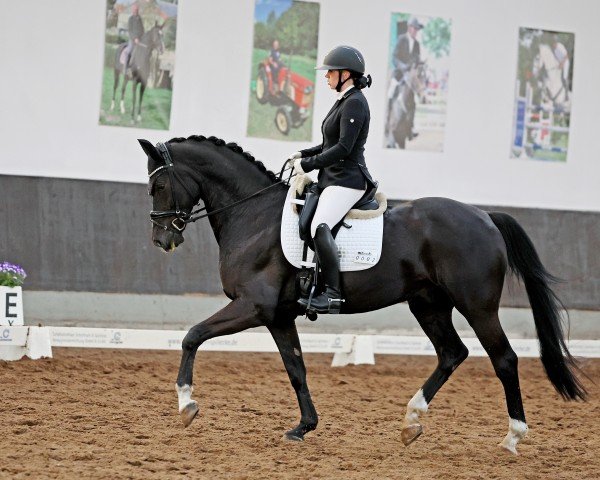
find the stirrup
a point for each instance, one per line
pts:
(335, 305)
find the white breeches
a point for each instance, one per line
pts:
(334, 204)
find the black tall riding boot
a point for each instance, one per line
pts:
(330, 301)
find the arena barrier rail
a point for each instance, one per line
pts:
(36, 342)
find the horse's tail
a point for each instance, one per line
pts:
(524, 262)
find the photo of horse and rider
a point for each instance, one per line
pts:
(282, 80)
(419, 68)
(139, 60)
(543, 95)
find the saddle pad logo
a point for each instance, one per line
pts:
(365, 257)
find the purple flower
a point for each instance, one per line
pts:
(11, 275)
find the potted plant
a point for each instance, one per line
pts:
(11, 294)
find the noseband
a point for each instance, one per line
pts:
(182, 218)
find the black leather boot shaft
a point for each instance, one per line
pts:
(330, 301)
(327, 253)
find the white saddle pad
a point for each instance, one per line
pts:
(359, 247)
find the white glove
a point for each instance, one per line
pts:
(295, 155)
(298, 166)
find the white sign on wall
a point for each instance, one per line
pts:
(11, 306)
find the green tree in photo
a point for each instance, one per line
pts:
(296, 29)
(436, 37)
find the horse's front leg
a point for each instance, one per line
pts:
(286, 338)
(239, 315)
(142, 88)
(115, 86)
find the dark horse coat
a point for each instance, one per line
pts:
(438, 254)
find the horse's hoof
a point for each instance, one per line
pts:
(293, 436)
(411, 433)
(508, 448)
(189, 412)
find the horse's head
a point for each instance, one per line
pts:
(156, 40)
(172, 197)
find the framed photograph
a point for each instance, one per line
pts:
(418, 73)
(282, 80)
(139, 63)
(543, 95)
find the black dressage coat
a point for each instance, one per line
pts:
(404, 57)
(340, 158)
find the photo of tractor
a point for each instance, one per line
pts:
(290, 92)
(282, 76)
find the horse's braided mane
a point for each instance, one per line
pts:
(231, 146)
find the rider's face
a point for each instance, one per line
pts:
(333, 76)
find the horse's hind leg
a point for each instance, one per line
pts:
(123, 87)
(286, 338)
(134, 84)
(235, 317)
(433, 310)
(486, 325)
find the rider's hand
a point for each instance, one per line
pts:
(298, 165)
(295, 155)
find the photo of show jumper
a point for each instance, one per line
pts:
(419, 68)
(139, 58)
(283, 62)
(542, 114)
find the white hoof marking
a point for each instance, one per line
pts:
(516, 432)
(184, 395)
(416, 406)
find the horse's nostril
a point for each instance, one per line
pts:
(157, 243)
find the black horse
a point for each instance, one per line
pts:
(139, 68)
(438, 254)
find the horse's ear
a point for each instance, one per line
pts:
(154, 158)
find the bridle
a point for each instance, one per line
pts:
(182, 218)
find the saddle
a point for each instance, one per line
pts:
(310, 194)
(123, 54)
(358, 236)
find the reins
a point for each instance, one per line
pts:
(183, 218)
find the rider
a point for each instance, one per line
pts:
(135, 28)
(343, 175)
(406, 55)
(276, 64)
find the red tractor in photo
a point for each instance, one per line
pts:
(290, 92)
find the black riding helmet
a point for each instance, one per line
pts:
(344, 57)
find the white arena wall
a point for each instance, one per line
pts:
(51, 55)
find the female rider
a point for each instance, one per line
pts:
(343, 175)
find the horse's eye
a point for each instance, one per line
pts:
(159, 186)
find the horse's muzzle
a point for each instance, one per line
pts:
(167, 240)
